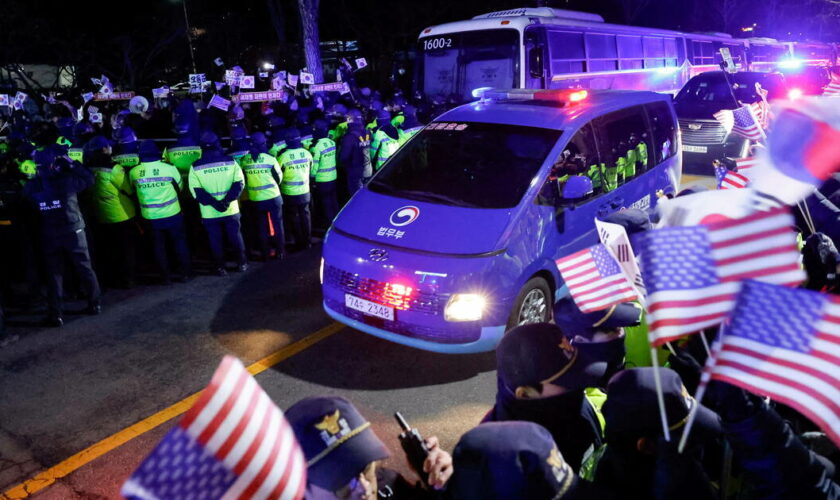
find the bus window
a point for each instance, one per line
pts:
(619, 136)
(630, 51)
(664, 132)
(602, 52)
(702, 53)
(671, 53)
(654, 52)
(457, 63)
(567, 52)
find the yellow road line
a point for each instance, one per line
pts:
(51, 475)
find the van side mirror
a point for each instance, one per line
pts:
(535, 62)
(575, 189)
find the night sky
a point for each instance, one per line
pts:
(143, 42)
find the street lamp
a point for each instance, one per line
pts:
(189, 35)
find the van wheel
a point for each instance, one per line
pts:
(532, 305)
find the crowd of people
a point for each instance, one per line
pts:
(576, 412)
(573, 420)
(86, 194)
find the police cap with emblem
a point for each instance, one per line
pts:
(631, 410)
(509, 460)
(539, 353)
(337, 441)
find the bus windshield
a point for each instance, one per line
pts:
(457, 63)
(473, 165)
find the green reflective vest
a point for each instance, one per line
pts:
(596, 174)
(295, 164)
(306, 141)
(381, 148)
(277, 148)
(405, 135)
(155, 183)
(612, 173)
(630, 164)
(260, 183)
(338, 132)
(216, 178)
(323, 160)
(398, 120)
(127, 160)
(28, 168)
(111, 191)
(642, 154)
(182, 157)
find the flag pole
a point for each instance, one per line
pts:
(660, 398)
(701, 389)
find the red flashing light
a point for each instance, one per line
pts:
(397, 295)
(427, 30)
(578, 96)
(505, 23)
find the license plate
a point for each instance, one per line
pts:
(695, 149)
(368, 307)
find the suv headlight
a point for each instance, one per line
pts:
(321, 271)
(464, 307)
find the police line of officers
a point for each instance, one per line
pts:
(198, 178)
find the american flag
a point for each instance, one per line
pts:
(234, 443)
(785, 343)
(742, 121)
(693, 273)
(761, 110)
(595, 279)
(746, 162)
(728, 179)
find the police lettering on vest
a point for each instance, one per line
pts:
(216, 178)
(261, 175)
(155, 183)
(295, 164)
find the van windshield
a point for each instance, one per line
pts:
(475, 165)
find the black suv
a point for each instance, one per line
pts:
(704, 139)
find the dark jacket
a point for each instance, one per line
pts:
(354, 154)
(569, 418)
(776, 461)
(54, 195)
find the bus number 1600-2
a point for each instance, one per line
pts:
(437, 43)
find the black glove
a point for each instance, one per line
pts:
(732, 403)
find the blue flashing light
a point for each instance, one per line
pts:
(790, 64)
(479, 92)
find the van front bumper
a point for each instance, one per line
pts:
(487, 340)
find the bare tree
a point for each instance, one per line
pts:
(727, 11)
(632, 9)
(311, 38)
(275, 12)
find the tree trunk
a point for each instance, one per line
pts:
(311, 38)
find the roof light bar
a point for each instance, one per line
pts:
(564, 96)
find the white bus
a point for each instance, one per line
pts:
(553, 48)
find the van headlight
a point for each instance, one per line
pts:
(321, 272)
(464, 307)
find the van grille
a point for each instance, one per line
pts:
(421, 300)
(454, 333)
(710, 132)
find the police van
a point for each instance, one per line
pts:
(454, 240)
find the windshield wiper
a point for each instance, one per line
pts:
(435, 197)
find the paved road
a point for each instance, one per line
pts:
(62, 391)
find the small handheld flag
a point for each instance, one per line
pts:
(233, 443)
(693, 273)
(785, 343)
(595, 280)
